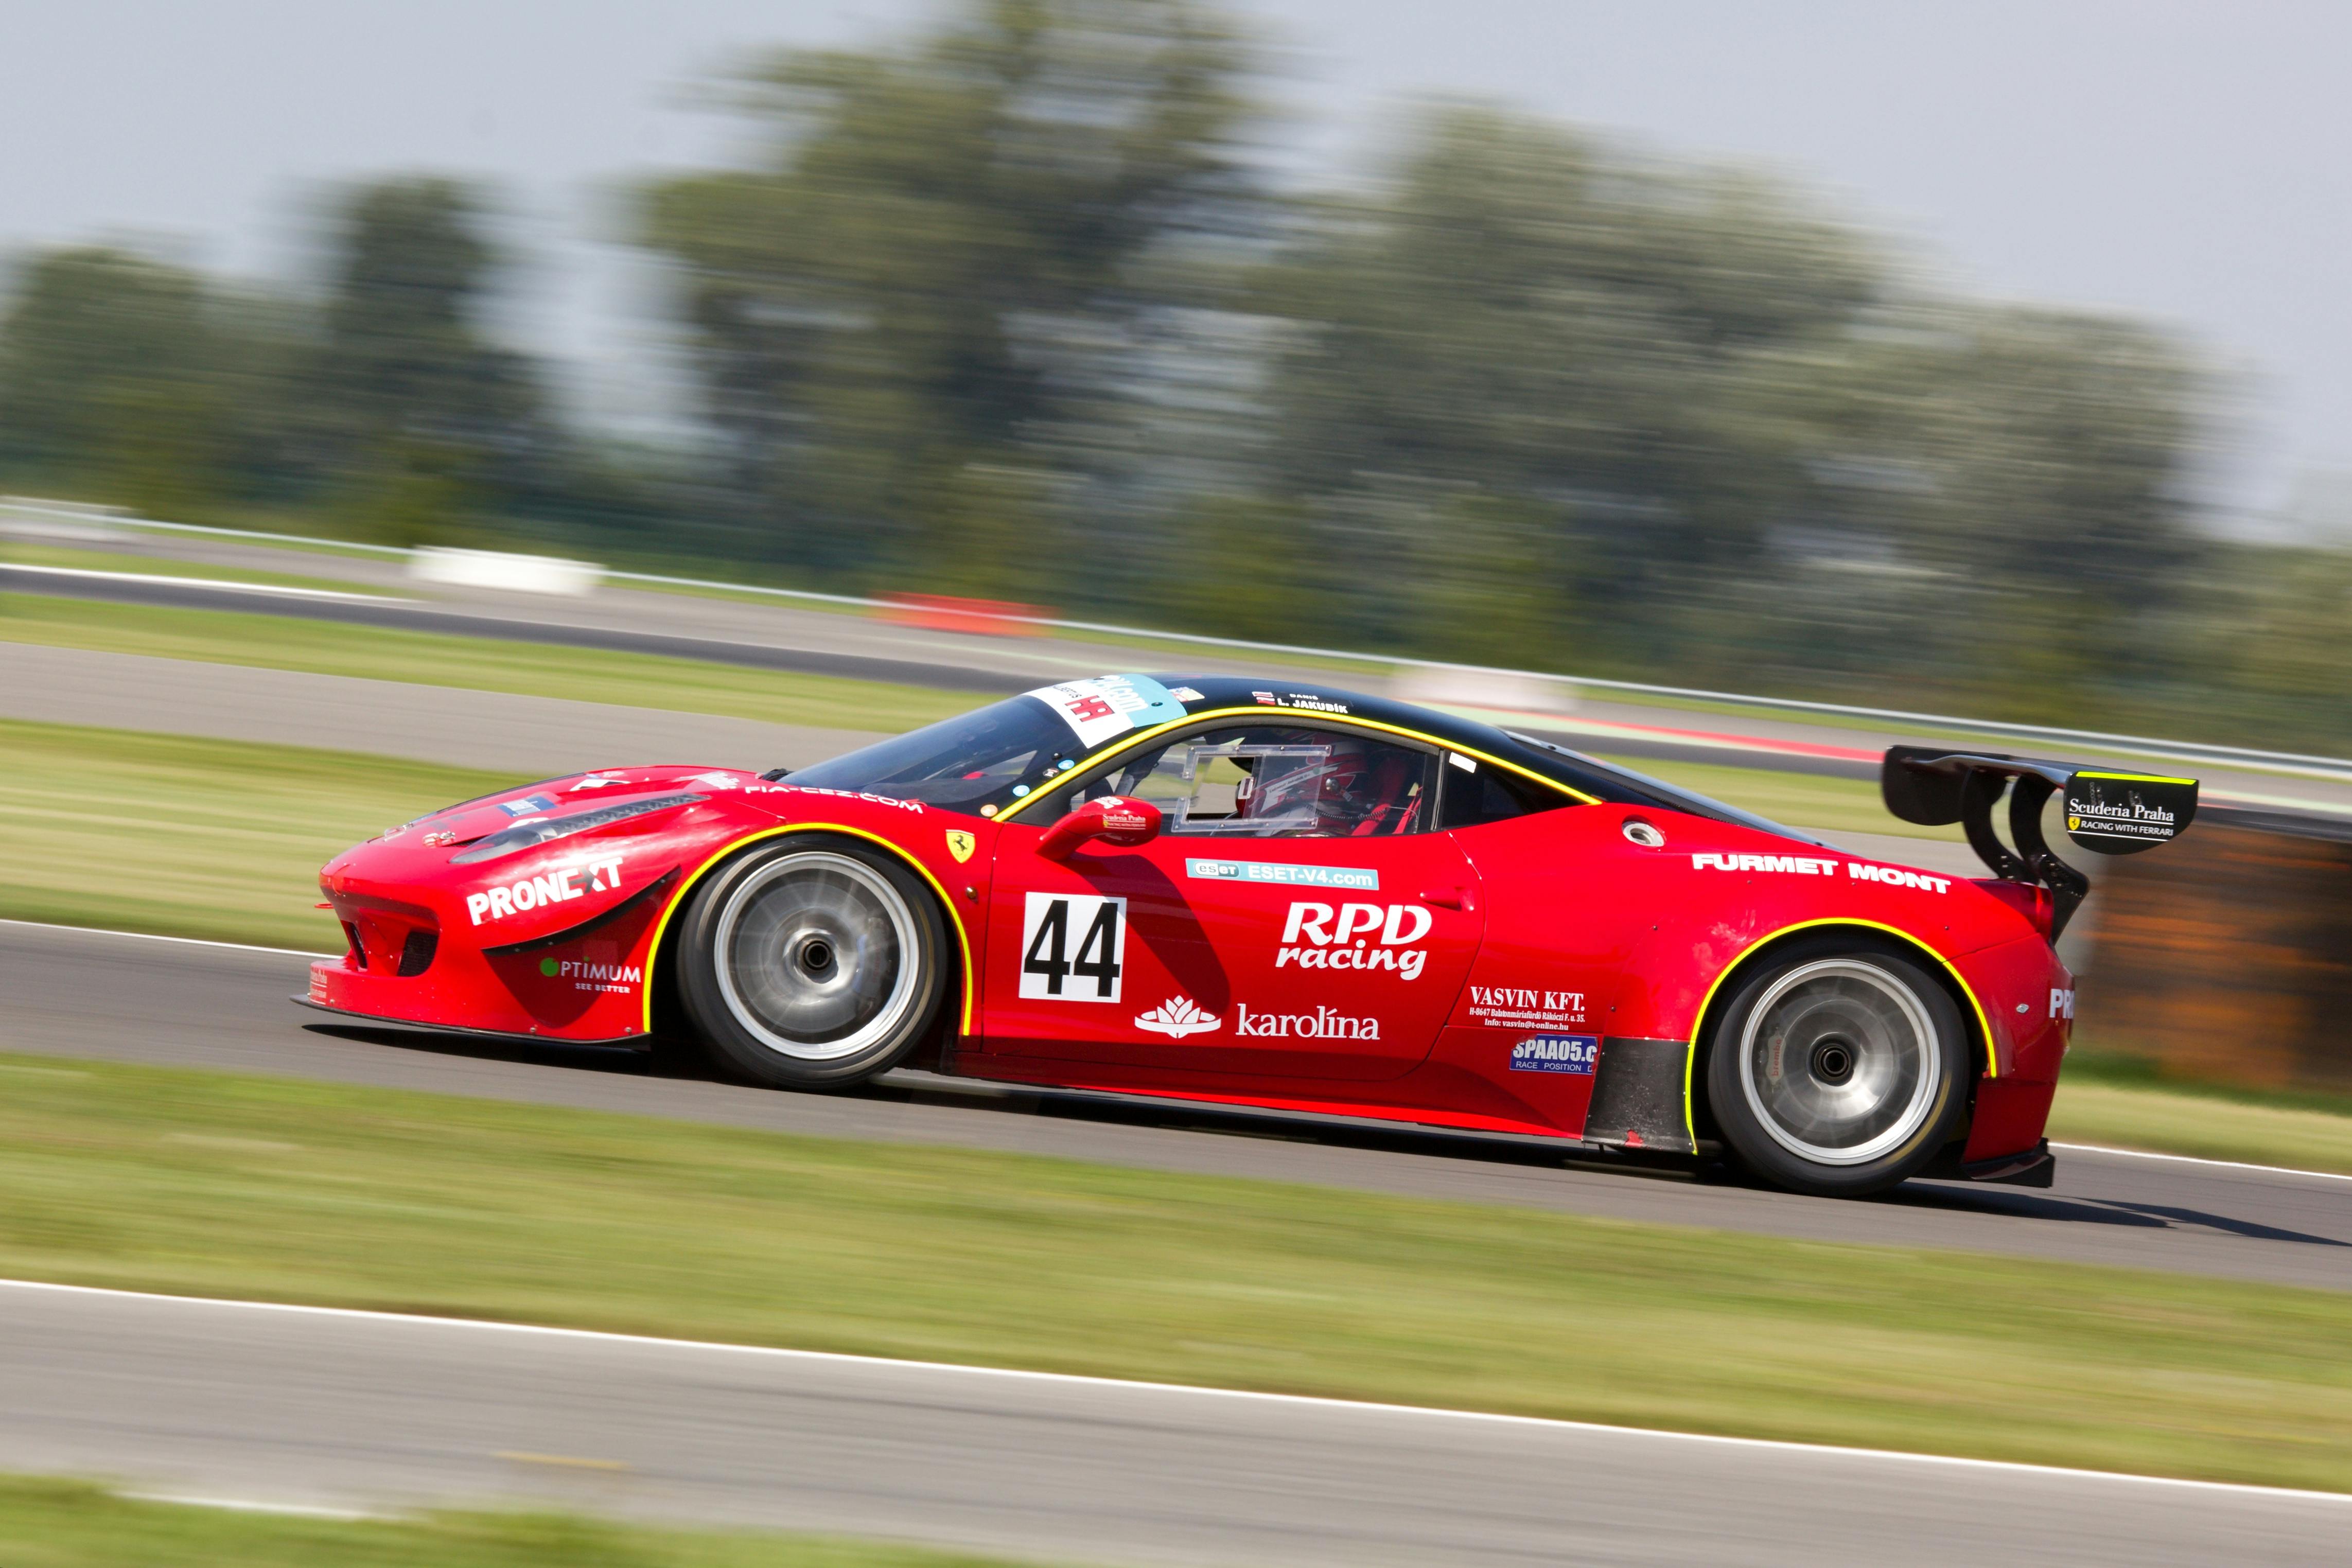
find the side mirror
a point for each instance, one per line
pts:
(1117, 819)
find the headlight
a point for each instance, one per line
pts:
(526, 835)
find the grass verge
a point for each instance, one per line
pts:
(474, 664)
(2126, 1106)
(221, 1185)
(194, 837)
(1797, 799)
(72, 1524)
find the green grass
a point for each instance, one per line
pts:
(217, 1183)
(194, 837)
(2303, 1131)
(476, 664)
(15, 553)
(73, 1524)
(1797, 799)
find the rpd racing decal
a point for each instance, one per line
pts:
(1317, 937)
(1557, 1053)
(547, 888)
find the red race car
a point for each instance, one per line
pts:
(1249, 894)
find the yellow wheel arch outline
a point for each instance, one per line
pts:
(955, 917)
(1261, 710)
(1690, 1057)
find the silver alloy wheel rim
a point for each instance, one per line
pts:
(1840, 1062)
(816, 956)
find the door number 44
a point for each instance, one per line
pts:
(1073, 946)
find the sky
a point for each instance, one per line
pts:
(2180, 163)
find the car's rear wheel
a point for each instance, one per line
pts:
(812, 965)
(1838, 1067)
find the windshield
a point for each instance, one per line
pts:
(1670, 794)
(989, 755)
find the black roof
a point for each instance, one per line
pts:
(1587, 774)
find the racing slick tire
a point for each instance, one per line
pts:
(1838, 1067)
(814, 964)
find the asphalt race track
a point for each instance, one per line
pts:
(127, 998)
(236, 1402)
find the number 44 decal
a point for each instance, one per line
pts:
(1073, 946)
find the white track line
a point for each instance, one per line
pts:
(304, 953)
(1075, 1380)
(2193, 1160)
(226, 585)
(152, 936)
(252, 1505)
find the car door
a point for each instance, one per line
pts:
(1293, 920)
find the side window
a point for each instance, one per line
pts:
(1263, 781)
(1484, 793)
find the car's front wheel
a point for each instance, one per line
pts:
(811, 964)
(1838, 1067)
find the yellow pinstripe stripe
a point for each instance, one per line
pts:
(955, 917)
(1690, 1061)
(1260, 711)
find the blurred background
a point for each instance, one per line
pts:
(401, 400)
(1989, 363)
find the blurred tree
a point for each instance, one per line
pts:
(2028, 470)
(940, 254)
(108, 363)
(417, 417)
(1588, 341)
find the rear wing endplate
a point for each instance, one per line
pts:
(2107, 812)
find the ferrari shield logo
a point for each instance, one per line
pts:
(961, 844)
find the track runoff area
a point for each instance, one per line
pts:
(269, 1404)
(306, 1408)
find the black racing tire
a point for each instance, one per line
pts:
(812, 964)
(1839, 1068)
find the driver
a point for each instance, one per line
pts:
(1363, 790)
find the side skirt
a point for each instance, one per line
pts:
(1637, 1096)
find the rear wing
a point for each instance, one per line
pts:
(2108, 813)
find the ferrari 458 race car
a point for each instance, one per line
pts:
(1202, 888)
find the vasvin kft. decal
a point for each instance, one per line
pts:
(1557, 1053)
(528, 806)
(1106, 705)
(1317, 937)
(1521, 1007)
(547, 887)
(1072, 947)
(1353, 878)
(1177, 1017)
(1808, 865)
(590, 976)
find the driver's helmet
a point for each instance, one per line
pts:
(1354, 790)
